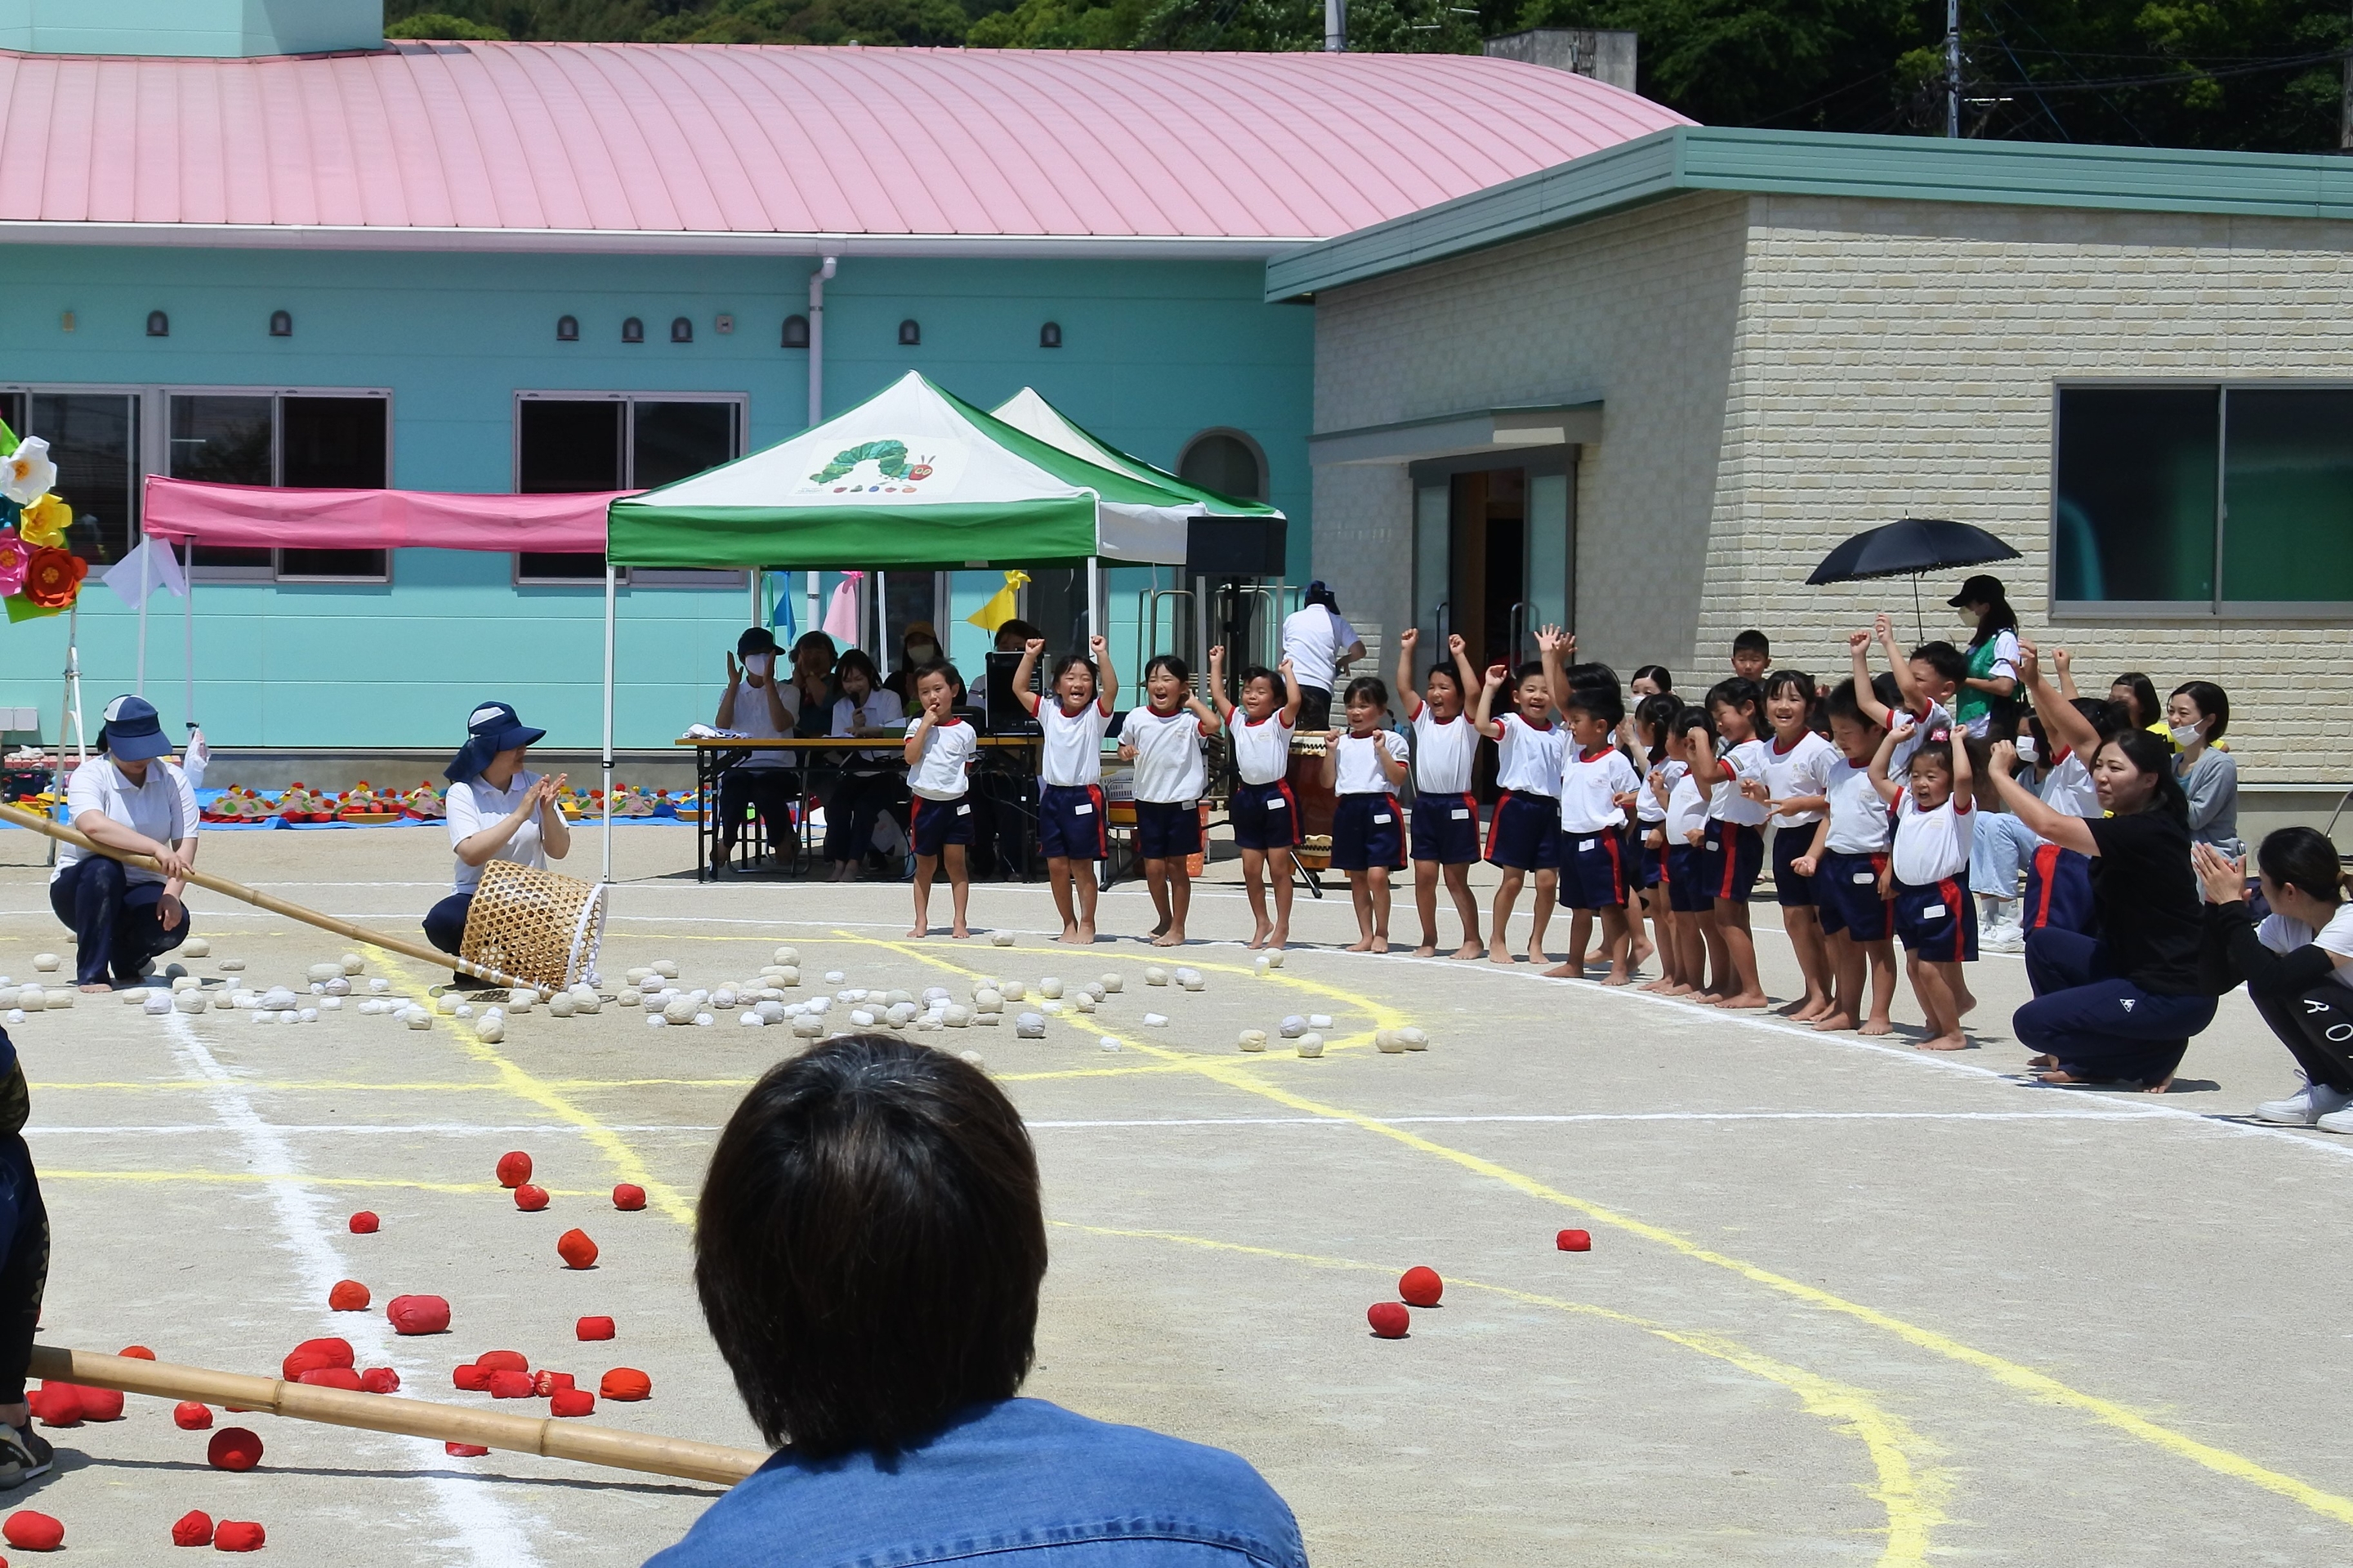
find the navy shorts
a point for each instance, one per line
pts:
(1938, 922)
(1265, 816)
(1168, 830)
(1593, 869)
(1446, 829)
(1367, 830)
(2058, 891)
(932, 825)
(1070, 823)
(1846, 895)
(1686, 880)
(1646, 866)
(1735, 855)
(1525, 833)
(1790, 890)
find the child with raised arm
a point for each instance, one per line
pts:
(1445, 827)
(1734, 843)
(1072, 833)
(1653, 727)
(1597, 786)
(1264, 815)
(1934, 914)
(1684, 873)
(1524, 835)
(2058, 879)
(1927, 680)
(940, 751)
(1365, 767)
(1163, 738)
(1848, 865)
(1798, 763)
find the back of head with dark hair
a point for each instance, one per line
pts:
(1753, 642)
(869, 1245)
(1012, 634)
(2104, 718)
(1173, 664)
(1888, 689)
(1532, 668)
(1688, 719)
(1737, 691)
(2212, 701)
(2144, 696)
(2304, 859)
(1949, 662)
(1592, 673)
(1844, 702)
(1657, 713)
(1657, 675)
(2153, 756)
(1369, 687)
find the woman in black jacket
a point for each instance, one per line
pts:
(2298, 964)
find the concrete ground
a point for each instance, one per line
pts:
(1846, 1302)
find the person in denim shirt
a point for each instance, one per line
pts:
(868, 1252)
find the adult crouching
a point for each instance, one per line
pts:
(498, 811)
(129, 798)
(2298, 964)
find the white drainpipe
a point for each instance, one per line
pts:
(817, 389)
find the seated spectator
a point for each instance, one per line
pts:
(2298, 964)
(867, 1251)
(2196, 714)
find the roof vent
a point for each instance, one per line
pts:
(682, 330)
(1050, 336)
(633, 331)
(567, 329)
(797, 331)
(282, 323)
(158, 325)
(910, 336)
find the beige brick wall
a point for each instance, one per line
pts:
(1781, 372)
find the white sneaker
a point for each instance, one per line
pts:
(2311, 1106)
(2339, 1120)
(2005, 938)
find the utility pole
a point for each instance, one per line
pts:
(1953, 68)
(1335, 27)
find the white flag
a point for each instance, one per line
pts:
(150, 567)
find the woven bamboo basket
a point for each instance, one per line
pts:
(538, 926)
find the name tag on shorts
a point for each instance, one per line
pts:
(1461, 814)
(965, 809)
(1383, 819)
(1865, 876)
(1932, 912)
(1587, 845)
(1086, 811)
(1278, 804)
(1711, 843)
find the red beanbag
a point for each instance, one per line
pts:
(1573, 1240)
(625, 1384)
(594, 1327)
(33, 1531)
(379, 1379)
(348, 1296)
(331, 1377)
(1388, 1319)
(238, 1535)
(576, 1250)
(234, 1448)
(531, 1199)
(628, 1197)
(465, 1450)
(56, 1404)
(514, 1167)
(503, 1360)
(190, 1416)
(418, 1315)
(472, 1378)
(365, 1224)
(512, 1386)
(136, 1354)
(100, 1403)
(194, 1528)
(313, 1354)
(572, 1402)
(548, 1383)
(1421, 1288)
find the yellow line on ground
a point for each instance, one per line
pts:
(524, 1086)
(330, 1087)
(1911, 1486)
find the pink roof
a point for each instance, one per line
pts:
(635, 146)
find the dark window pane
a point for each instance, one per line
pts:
(333, 443)
(2287, 492)
(2134, 483)
(224, 441)
(93, 440)
(1223, 465)
(564, 447)
(12, 410)
(676, 439)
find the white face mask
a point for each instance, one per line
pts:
(2185, 735)
(759, 664)
(922, 652)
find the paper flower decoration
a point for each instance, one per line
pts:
(16, 560)
(44, 522)
(27, 474)
(54, 578)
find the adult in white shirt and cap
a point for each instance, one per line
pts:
(759, 704)
(1321, 645)
(131, 797)
(497, 809)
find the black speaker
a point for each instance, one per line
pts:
(1234, 547)
(1004, 714)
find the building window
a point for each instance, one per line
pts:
(2211, 496)
(1227, 462)
(94, 441)
(566, 442)
(304, 441)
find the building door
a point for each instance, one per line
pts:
(1487, 519)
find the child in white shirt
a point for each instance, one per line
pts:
(1848, 865)
(1797, 768)
(940, 749)
(1263, 812)
(1072, 831)
(1364, 766)
(1445, 827)
(1524, 835)
(1734, 843)
(1163, 738)
(1934, 913)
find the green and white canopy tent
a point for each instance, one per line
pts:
(913, 479)
(1029, 412)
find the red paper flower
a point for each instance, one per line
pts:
(54, 578)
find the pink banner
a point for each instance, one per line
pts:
(257, 517)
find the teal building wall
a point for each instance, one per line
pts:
(215, 28)
(1154, 354)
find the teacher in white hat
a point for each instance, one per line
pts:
(131, 797)
(499, 810)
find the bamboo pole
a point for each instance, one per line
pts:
(237, 890)
(555, 1439)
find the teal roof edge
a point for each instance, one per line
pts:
(1814, 163)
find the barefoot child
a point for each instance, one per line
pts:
(1797, 764)
(1365, 767)
(1735, 840)
(1668, 845)
(1445, 828)
(1649, 725)
(1524, 835)
(940, 749)
(1071, 829)
(1264, 816)
(1934, 913)
(1163, 738)
(1597, 786)
(1848, 865)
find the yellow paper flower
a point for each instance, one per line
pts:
(46, 521)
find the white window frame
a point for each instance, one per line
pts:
(155, 424)
(630, 576)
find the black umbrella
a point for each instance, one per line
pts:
(1907, 548)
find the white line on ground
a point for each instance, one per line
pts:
(481, 1530)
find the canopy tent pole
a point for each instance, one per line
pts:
(612, 595)
(188, 632)
(73, 688)
(1095, 596)
(881, 618)
(139, 671)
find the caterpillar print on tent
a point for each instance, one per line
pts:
(888, 457)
